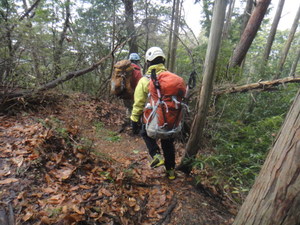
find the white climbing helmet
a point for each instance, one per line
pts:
(153, 53)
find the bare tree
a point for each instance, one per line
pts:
(288, 45)
(212, 52)
(249, 33)
(274, 198)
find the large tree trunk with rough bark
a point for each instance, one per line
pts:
(288, 44)
(212, 52)
(272, 34)
(274, 198)
(249, 33)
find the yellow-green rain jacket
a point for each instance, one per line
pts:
(141, 92)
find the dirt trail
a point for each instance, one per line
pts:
(61, 184)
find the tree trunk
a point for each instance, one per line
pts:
(227, 24)
(174, 37)
(272, 34)
(171, 34)
(247, 13)
(58, 51)
(249, 33)
(295, 63)
(212, 52)
(274, 198)
(288, 44)
(130, 25)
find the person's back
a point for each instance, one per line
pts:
(137, 74)
(155, 59)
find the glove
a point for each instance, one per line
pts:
(135, 127)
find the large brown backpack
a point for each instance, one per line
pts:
(120, 81)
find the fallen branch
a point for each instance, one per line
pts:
(60, 80)
(262, 86)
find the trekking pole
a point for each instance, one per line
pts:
(191, 83)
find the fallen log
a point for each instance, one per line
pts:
(262, 86)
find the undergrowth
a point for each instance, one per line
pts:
(242, 131)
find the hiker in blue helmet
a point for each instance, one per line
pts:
(134, 57)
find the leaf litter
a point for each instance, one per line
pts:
(57, 168)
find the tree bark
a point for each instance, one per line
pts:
(272, 34)
(263, 86)
(212, 52)
(249, 33)
(274, 198)
(130, 25)
(295, 63)
(288, 44)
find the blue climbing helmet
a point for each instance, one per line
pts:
(134, 57)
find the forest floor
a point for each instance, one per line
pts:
(63, 161)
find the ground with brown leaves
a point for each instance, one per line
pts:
(65, 163)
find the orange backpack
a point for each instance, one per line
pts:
(164, 111)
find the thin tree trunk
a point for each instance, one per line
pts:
(130, 25)
(274, 198)
(214, 41)
(272, 34)
(174, 37)
(227, 24)
(58, 51)
(247, 14)
(288, 44)
(295, 63)
(36, 66)
(171, 34)
(249, 33)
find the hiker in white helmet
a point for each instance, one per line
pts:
(155, 59)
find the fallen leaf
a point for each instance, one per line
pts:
(80, 211)
(27, 216)
(8, 181)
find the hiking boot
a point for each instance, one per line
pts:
(171, 174)
(157, 161)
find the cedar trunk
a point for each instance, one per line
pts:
(249, 33)
(274, 198)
